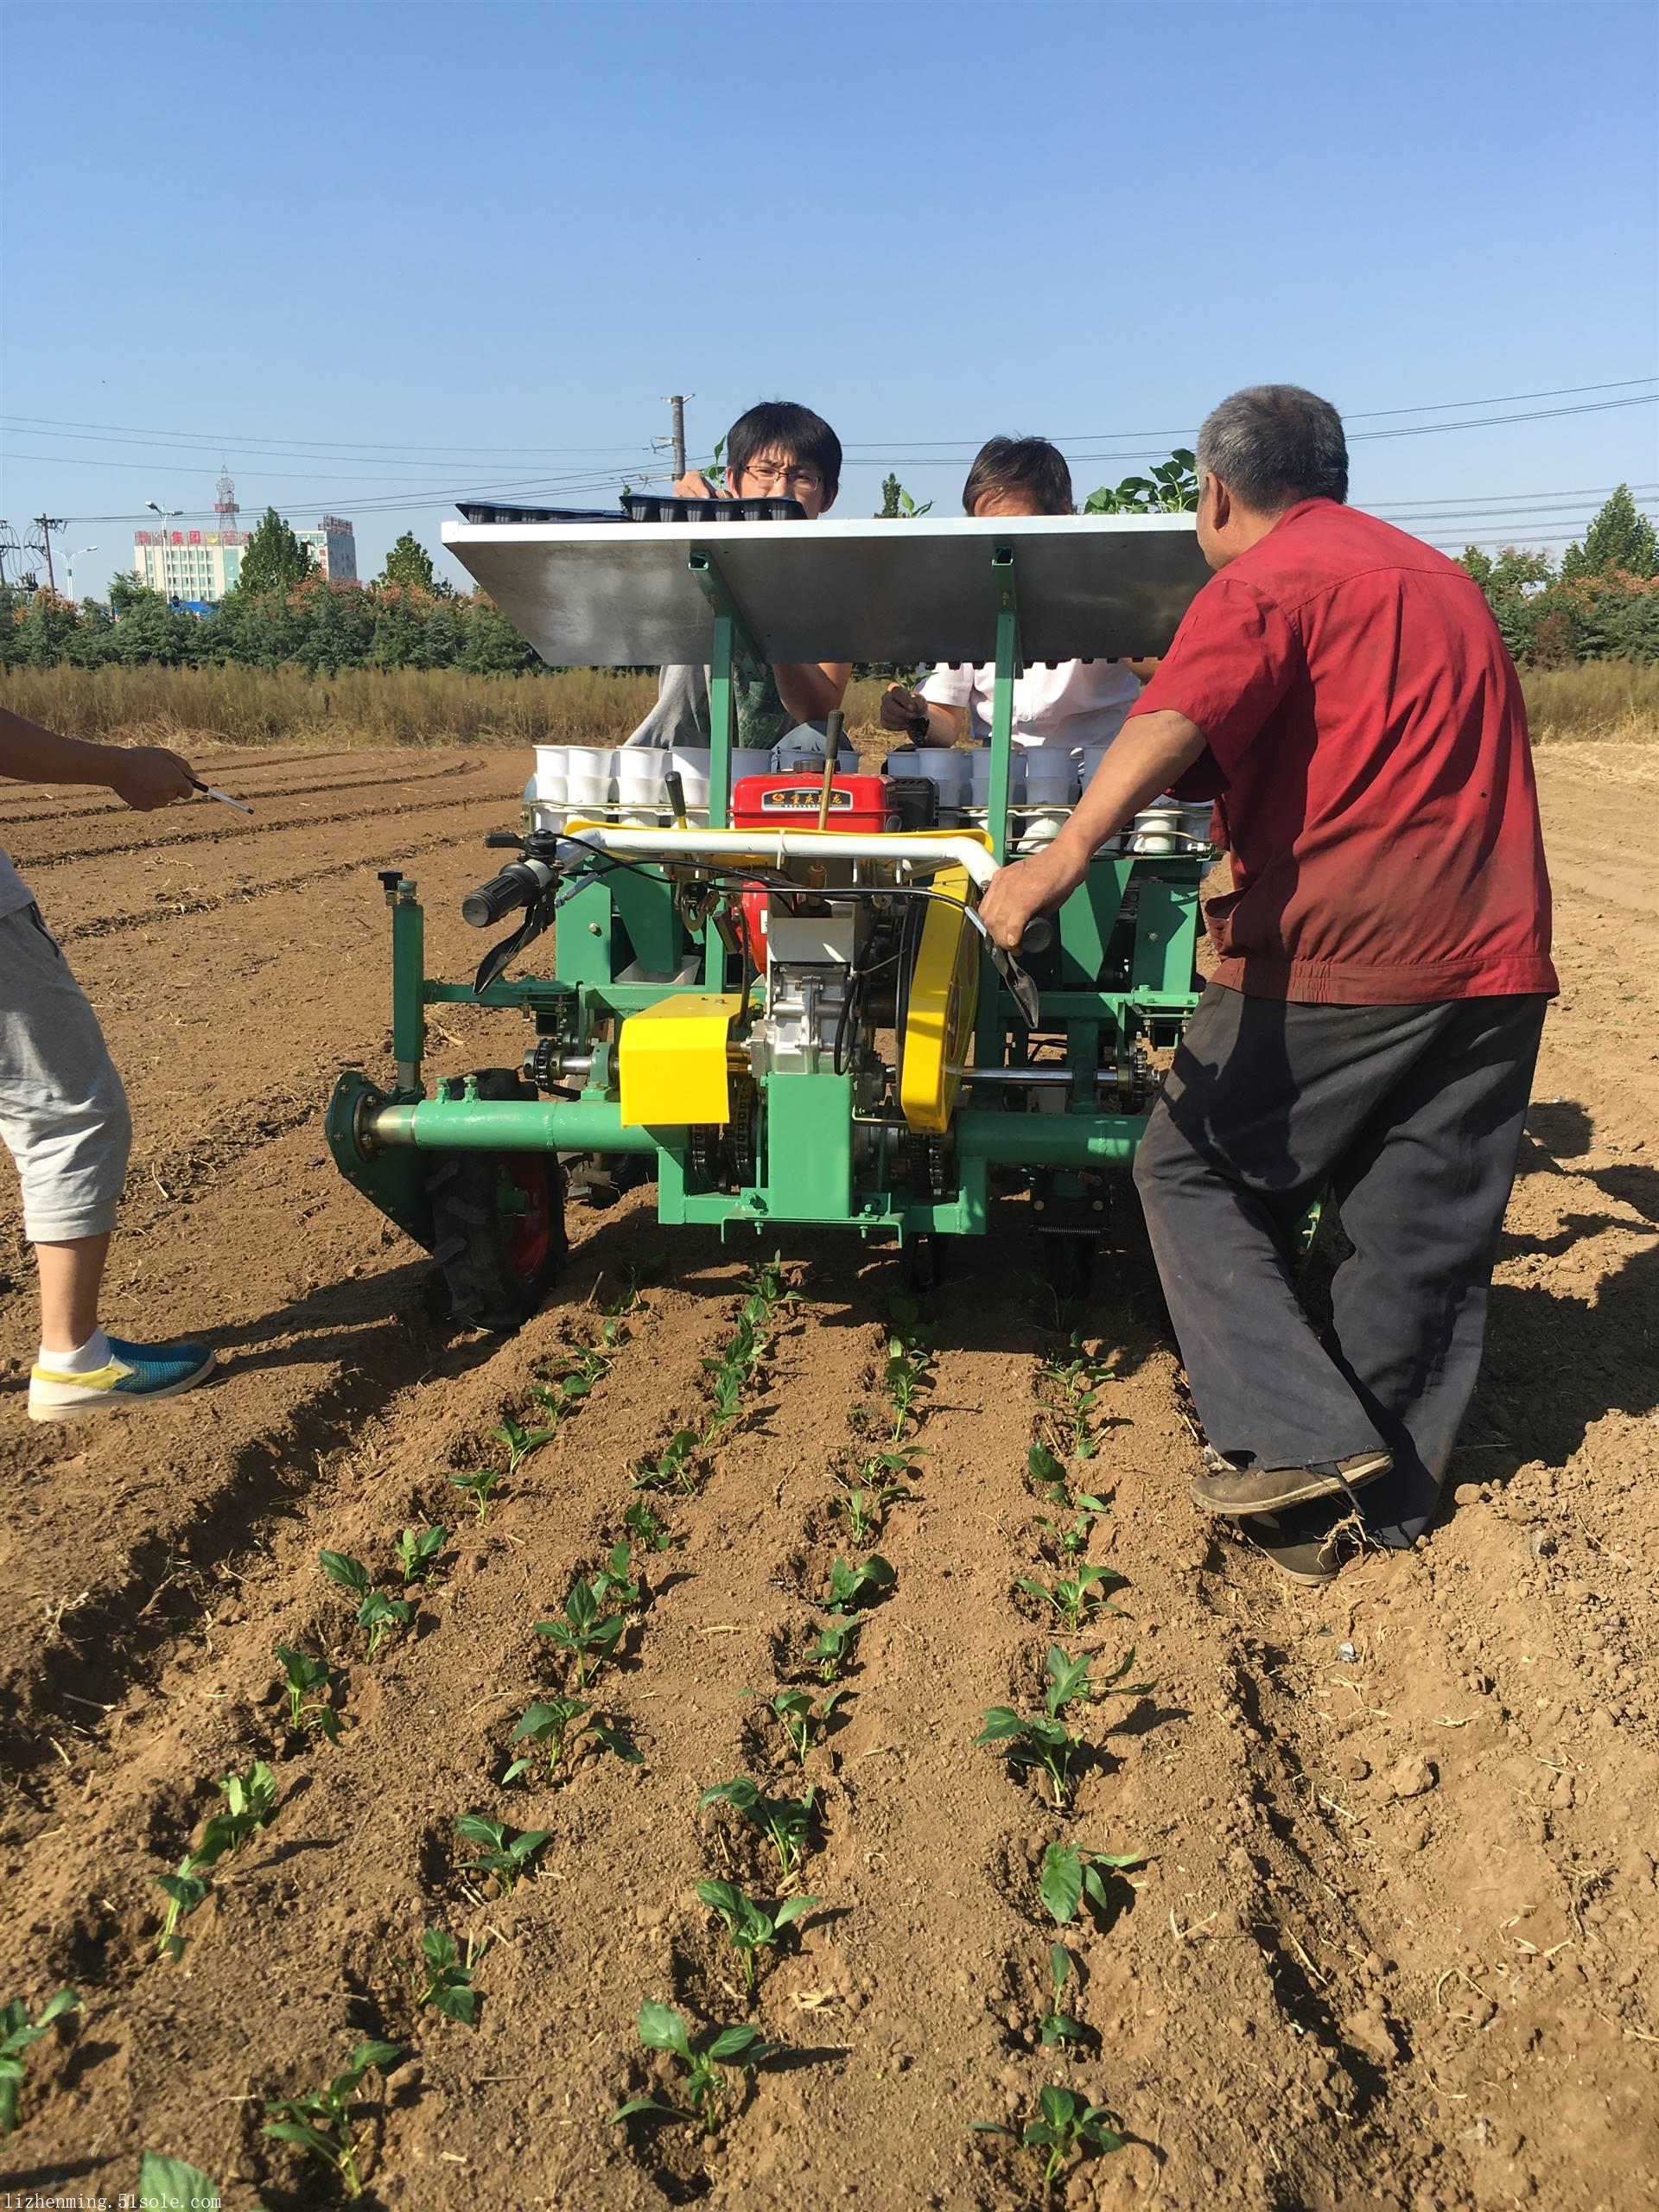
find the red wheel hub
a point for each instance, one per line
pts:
(529, 1232)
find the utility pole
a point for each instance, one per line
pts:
(677, 402)
(7, 545)
(48, 524)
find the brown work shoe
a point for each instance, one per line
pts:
(1240, 1491)
(1307, 1552)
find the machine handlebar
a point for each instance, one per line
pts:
(519, 885)
(1038, 934)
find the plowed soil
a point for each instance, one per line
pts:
(1394, 1935)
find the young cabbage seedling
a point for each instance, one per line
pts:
(1055, 2026)
(1069, 1873)
(832, 1654)
(795, 1714)
(614, 1585)
(1047, 1744)
(587, 1635)
(676, 1467)
(504, 1853)
(786, 1822)
(250, 1800)
(1074, 1383)
(443, 1980)
(321, 2122)
(18, 2033)
(184, 1892)
(376, 1613)
(647, 1530)
(852, 1589)
(417, 1552)
(172, 2181)
(749, 1926)
(708, 2090)
(520, 1442)
(550, 1725)
(1079, 1596)
(908, 1360)
(306, 1681)
(1068, 2129)
(480, 1486)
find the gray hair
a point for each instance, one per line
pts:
(1275, 444)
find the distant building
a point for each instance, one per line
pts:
(200, 566)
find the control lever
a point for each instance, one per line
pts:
(674, 786)
(519, 885)
(831, 761)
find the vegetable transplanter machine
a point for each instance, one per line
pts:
(773, 997)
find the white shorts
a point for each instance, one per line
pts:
(63, 1113)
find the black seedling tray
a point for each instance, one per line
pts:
(652, 506)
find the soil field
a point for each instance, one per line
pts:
(1389, 1935)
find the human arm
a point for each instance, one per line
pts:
(945, 724)
(1146, 756)
(811, 689)
(694, 485)
(145, 776)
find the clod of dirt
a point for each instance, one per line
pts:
(1412, 1778)
(1368, 2031)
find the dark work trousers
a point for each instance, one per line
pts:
(1411, 1117)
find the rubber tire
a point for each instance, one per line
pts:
(488, 1286)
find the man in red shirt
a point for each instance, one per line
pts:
(1341, 691)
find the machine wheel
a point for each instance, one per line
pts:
(497, 1222)
(924, 1262)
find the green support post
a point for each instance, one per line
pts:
(407, 980)
(1007, 667)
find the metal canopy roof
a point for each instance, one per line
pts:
(599, 594)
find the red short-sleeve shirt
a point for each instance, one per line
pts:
(1368, 750)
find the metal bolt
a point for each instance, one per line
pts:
(594, 929)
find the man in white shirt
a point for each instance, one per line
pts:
(1078, 701)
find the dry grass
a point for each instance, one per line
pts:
(1609, 700)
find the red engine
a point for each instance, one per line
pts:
(857, 803)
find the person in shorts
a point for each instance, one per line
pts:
(63, 1113)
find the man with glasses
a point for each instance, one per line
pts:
(776, 451)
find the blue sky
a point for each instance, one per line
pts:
(372, 255)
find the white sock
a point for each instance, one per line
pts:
(91, 1356)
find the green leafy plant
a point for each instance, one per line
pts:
(249, 1801)
(519, 1441)
(1069, 1874)
(802, 1722)
(675, 1466)
(648, 1531)
(852, 1589)
(479, 1485)
(1072, 1381)
(321, 2122)
(503, 1852)
(1079, 1596)
(586, 1634)
(564, 1391)
(1171, 489)
(832, 1653)
(616, 1584)
(18, 2033)
(708, 2064)
(1068, 2129)
(750, 1928)
(555, 1728)
(376, 1613)
(185, 1892)
(443, 1979)
(306, 1680)
(1027, 1743)
(786, 1822)
(906, 1371)
(864, 1500)
(1056, 2026)
(170, 2184)
(417, 1552)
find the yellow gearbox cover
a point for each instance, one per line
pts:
(944, 998)
(673, 1058)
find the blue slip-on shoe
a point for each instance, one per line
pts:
(132, 1375)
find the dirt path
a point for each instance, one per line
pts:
(1391, 1938)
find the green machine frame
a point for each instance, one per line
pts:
(1119, 979)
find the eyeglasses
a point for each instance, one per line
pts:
(771, 474)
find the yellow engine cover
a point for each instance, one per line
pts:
(944, 999)
(673, 1059)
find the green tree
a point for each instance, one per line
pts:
(1618, 538)
(407, 563)
(492, 646)
(273, 559)
(1171, 489)
(897, 505)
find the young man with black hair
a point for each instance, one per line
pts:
(1078, 702)
(1373, 1022)
(777, 450)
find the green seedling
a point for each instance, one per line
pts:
(906, 1372)
(614, 1585)
(749, 1926)
(18, 2033)
(786, 1822)
(1055, 2026)
(853, 1588)
(250, 1800)
(520, 1442)
(1079, 1596)
(1076, 1382)
(376, 1613)
(321, 2122)
(567, 1390)
(480, 1486)
(1069, 1874)
(552, 1727)
(1047, 1744)
(832, 1654)
(647, 1530)
(306, 1680)
(708, 2090)
(441, 1981)
(585, 1633)
(1045, 1471)
(676, 1467)
(801, 1722)
(185, 1892)
(613, 1332)
(726, 1397)
(506, 1853)
(864, 1501)
(171, 2182)
(1068, 2129)
(418, 1553)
